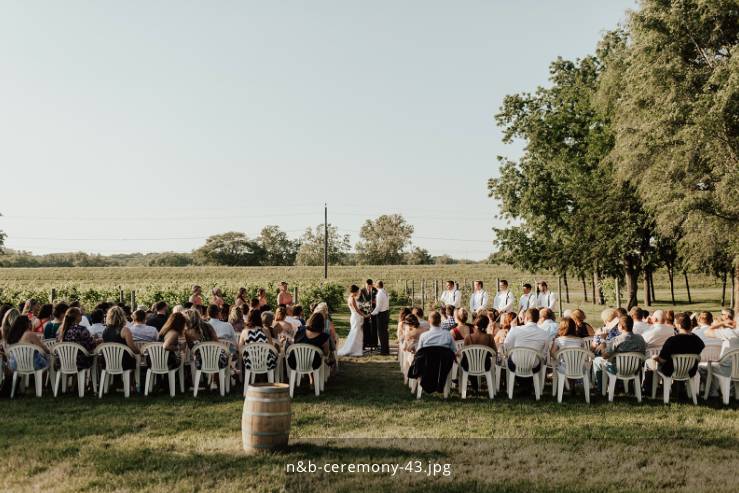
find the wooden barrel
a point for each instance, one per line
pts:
(265, 424)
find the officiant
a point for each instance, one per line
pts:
(368, 303)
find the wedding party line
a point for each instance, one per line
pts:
(464, 345)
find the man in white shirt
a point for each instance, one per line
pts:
(97, 317)
(656, 336)
(224, 330)
(140, 331)
(547, 323)
(640, 326)
(546, 298)
(479, 298)
(528, 300)
(705, 320)
(436, 336)
(528, 335)
(503, 301)
(451, 296)
(381, 315)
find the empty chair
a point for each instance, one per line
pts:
(304, 356)
(262, 359)
(478, 357)
(682, 364)
(66, 354)
(572, 364)
(24, 355)
(629, 367)
(159, 365)
(710, 354)
(113, 354)
(209, 355)
(525, 361)
(730, 361)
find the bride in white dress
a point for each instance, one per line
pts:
(353, 346)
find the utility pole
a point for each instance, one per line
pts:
(325, 241)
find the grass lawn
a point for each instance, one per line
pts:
(367, 416)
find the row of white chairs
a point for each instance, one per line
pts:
(576, 364)
(209, 354)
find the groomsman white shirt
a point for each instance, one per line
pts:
(503, 301)
(383, 303)
(479, 299)
(546, 300)
(527, 301)
(453, 298)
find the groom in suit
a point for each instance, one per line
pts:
(368, 298)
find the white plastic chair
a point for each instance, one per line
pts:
(304, 355)
(525, 360)
(681, 363)
(575, 361)
(259, 356)
(51, 376)
(587, 343)
(210, 353)
(476, 355)
(23, 356)
(710, 354)
(158, 359)
(732, 358)
(629, 366)
(66, 353)
(458, 345)
(112, 354)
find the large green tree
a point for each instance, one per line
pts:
(673, 92)
(383, 241)
(311, 246)
(232, 248)
(276, 247)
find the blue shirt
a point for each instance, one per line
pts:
(436, 336)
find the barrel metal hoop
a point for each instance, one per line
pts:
(249, 413)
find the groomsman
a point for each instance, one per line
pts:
(546, 298)
(479, 298)
(368, 298)
(504, 299)
(381, 314)
(451, 296)
(528, 300)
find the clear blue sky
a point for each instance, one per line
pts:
(126, 124)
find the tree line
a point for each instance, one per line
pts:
(631, 159)
(385, 240)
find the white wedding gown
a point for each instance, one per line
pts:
(353, 345)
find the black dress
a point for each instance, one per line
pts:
(112, 335)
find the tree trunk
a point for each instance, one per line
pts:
(651, 286)
(592, 281)
(584, 288)
(735, 284)
(671, 276)
(632, 284)
(687, 286)
(723, 290)
(567, 287)
(647, 291)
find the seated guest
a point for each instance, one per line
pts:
(281, 327)
(528, 335)
(20, 332)
(236, 318)
(727, 320)
(418, 312)
(116, 331)
(140, 331)
(404, 312)
(199, 331)
(44, 315)
(217, 297)
(411, 332)
(658, 334)
(626, 342)
(72, 331)
(172, 331)
(294, 317)
(704, 321)
(670, 319)
(52, 327)
(448, 320)
(640, 325)
(507, 321)
(610, 317)
(254, 331)
(159, 317)
(729, 337)
(461, 328)
(9, 318)
(547, 323)
(329, 328)
(96, 323)
(315, 335)
(224, 330)
(435, 336)
(478, 336)
(685, 342)
(567, 336)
